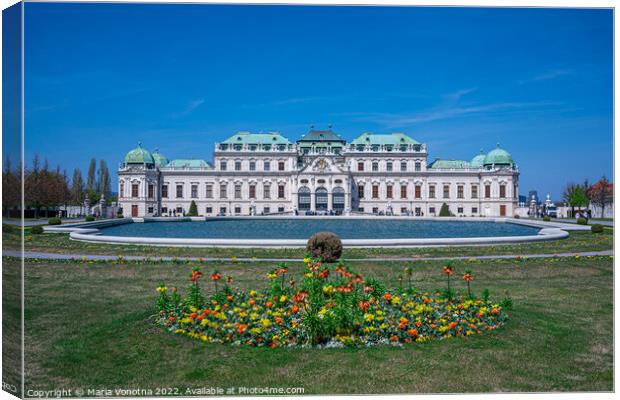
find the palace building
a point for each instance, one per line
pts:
(266, 173)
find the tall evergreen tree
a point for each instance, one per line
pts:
(77, 187)
(92, 169)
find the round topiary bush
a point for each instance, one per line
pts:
(90, 218)
(582, 221)
(36, 230)
(546, 218)
(597, 228)
(54, 221)
(325, 245)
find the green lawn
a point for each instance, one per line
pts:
(60, 243)
(90, 326)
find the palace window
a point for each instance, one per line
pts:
(267, 166)
(502, 191)
(266, 191)
(281, 166)
(121, 192)
(179, 191)
(237, 191)
(180, 210)
(209, 191)
(149, 210)
(252, 191)
(431, 191)
(194, 191)
(474, 210)
(222, 210)
(388, 166)
(360, 166)
(459, 210)
(403, 211)
(164, 210)
(474, 191)
(375, 166)
(134, 190)
(418, 166)
(360, 191)
(431, 210)
(375, 210)
(389, 191)
(237, 165)
(237, 210)
(209, 210)
(280, 191)
(418, 191)
(164, 191)
(280, 209)
(403, 191)
(252, 165)
(223, 192)
(151, 189)
(375, 191)
(223, 165)
(360, 209)
(446, 191)
(459, 192)
(403, 166)
(487, 191)
(266, 210)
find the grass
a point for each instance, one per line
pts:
(61, 243)
(89, 325)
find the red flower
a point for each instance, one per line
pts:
(229, 279)
(364, 304)
(196, 275)
(387, 297)
(448, 270)
(216, 276)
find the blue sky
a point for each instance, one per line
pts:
(101, 77)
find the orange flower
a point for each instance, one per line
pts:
(252, 302)
(387, 297)
(278, 320)
(394, 338)
(448, 270)
(417, 323)
(468, 277)
(452, 325)
(193, 315)
(324, 274)
(295, 309)
(195, 275)
(241, 328)
(413, 332)
(495, 311)
(269, 304)
(229, 298)
(364, 304)
(216, 276)
(229, 279)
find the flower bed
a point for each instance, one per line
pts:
(332, 306)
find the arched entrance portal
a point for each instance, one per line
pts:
(304, 198)
(321, 199)
(338, 199)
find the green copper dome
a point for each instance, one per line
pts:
(478, 161)
(160, 159)
(499, 157)
(139, 155)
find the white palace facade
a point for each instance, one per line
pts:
(266, 174)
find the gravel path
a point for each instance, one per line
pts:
(54, 256)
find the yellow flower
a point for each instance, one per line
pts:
(162, 289)
(307, 259)
(253, 293)
(328, 289)
(265, 323)
(308, 275)
(282, 299)
(369, 317)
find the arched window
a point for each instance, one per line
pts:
(321, 199)
(304, 198)
(338, 199)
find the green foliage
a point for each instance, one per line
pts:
(485, 295)
(193, 210)
(546, 218)
(582, 221)
(54, 221)
(6, 228)
(444, 211)
(90, 218)
(597, 228)
(36, 230)
(325, 246)
(578, 198)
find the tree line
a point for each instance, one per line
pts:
(46, 188)
(599, 194)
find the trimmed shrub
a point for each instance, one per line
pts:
(582, 221)
(546, 218)
(6, 228)
(326, 246)
(193, 210)
(54, 221)
(36, 230)
(597, 228)
(445, 210)
(90, 218)
(517, 216)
